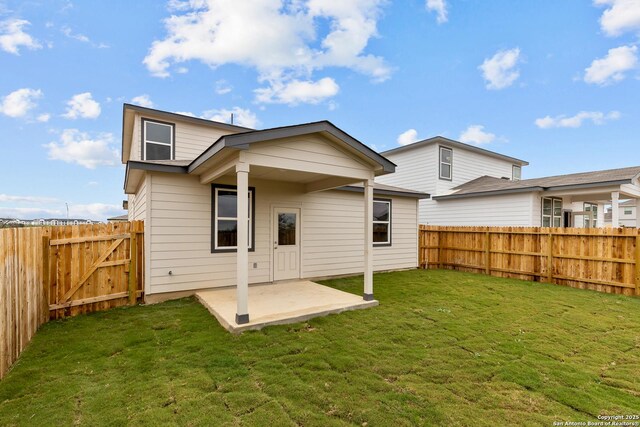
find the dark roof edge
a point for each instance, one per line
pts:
(535, 188)
(470, 147)
(591, 184)
(197, 120)
(413, 194)
(154, 167)
(488, 193)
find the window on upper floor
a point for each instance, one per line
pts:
(446, 163)
(382, 222)
(157, 140)
(516, 173)
(628, 211)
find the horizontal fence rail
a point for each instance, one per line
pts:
(57, 271)
(605, 260)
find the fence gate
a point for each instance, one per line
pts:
(93, 267)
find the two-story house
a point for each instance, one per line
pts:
(473, 186)
(309, 206)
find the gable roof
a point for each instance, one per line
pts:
(128, 111)
(243, 141)
(487, 185)
(457, 144)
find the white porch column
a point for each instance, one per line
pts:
(637, 213)
(368, 240)
(615, 209)
(600, 215)
(242, 256)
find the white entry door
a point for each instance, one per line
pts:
(286, 245)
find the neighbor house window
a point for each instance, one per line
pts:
(516, 173)
(157, 140)
(382, 222)
(224, 234)
(590, 215)
(551, 212)
(446, 163)
(628, 211)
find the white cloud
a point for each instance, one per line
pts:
(94, 211)
(620, 16)
(76, 36)
(82, 149)
(26, 199)
(296, 92)
(223, 87)
(440, 8)
(576, 121)
(83, 106)
(475, 134)
(43, 118)
(231, 32)
(612, 68)
(185, 113)
(241, 117)
(67, 31)
(499, 70)
(18, 103)
(143, 101)
(13, 36)
(408, 137)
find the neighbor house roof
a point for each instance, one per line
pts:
(453, 143)
(487, 185)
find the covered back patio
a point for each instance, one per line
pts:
(280, 303)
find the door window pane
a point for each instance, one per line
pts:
(287, 229)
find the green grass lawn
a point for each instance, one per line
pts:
(443, 348)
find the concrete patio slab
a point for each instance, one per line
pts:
(280, 303)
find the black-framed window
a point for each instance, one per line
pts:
(158, 140)
(551, 212)
(446, 163)
(224, 218)
(516, 173)
(382, 222)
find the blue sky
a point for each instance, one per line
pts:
(556, 83)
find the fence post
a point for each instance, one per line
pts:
(487, 253)
(46, 288)
(133, 265)
(550, 258)
(637, 263)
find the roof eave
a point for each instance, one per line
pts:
(488, 193)
(412, 194)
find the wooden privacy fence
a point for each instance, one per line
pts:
(600, 259)
(52, 272)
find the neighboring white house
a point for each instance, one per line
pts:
(312, 207)
(628, 214)
(473, 186)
